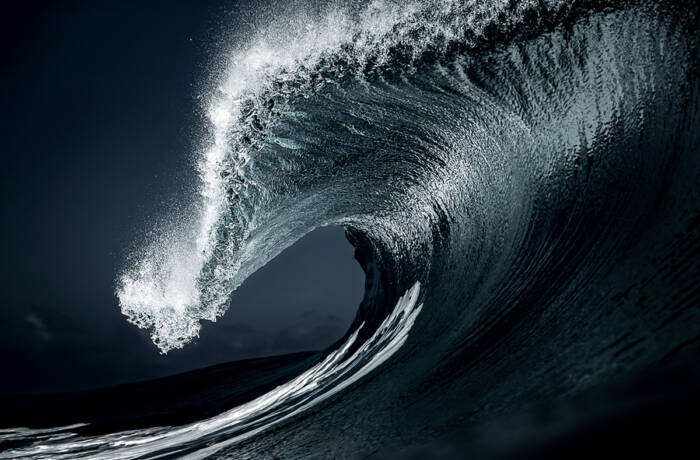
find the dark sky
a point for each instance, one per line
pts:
(99, 121)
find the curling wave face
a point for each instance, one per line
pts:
(295, 145)
(532, 166)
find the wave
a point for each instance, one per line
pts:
(246, 215)
(519, 181)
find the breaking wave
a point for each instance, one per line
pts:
(519, 179)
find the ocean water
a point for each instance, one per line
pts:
(520, 181)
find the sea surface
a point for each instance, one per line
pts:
(521, 182)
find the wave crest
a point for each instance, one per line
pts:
(189, 272)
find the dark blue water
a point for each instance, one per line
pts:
(520, 183)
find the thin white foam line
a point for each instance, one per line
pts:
(389, 337)
(241, 412)
(398, 340)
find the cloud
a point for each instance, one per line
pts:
(39, 327)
